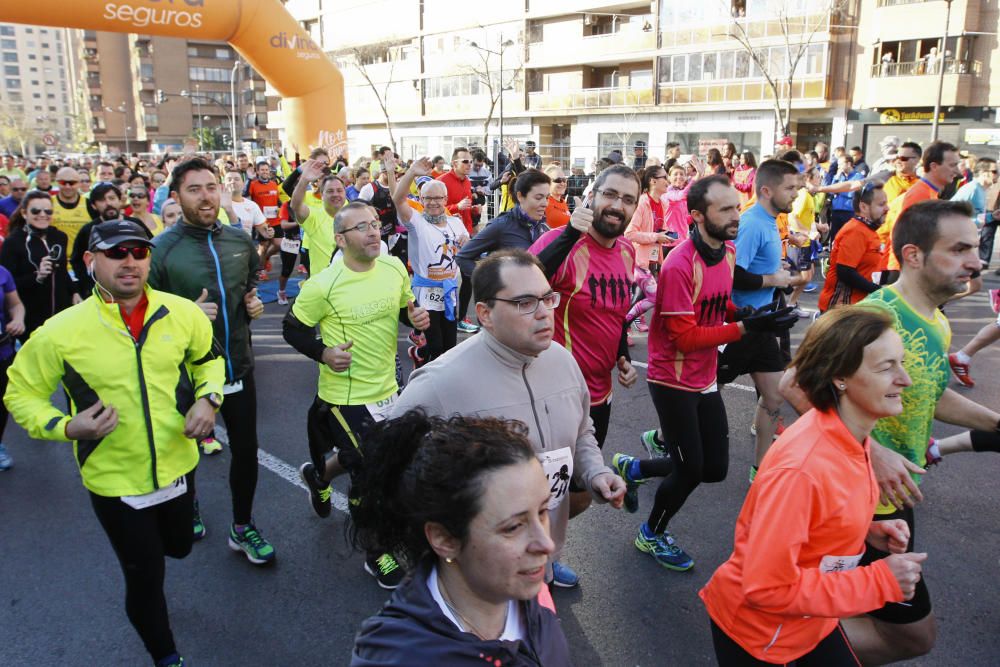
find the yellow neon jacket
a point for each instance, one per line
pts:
(152, 383)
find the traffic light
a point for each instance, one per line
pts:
(161, 96)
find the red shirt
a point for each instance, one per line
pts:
(458, 189)
(135, 319)
(266, 196)
(857, 245)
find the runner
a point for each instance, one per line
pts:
(70, 211)
(215, 265)
(264, 192)
(794, 571)
(466, 500)
(856, 252)
(133, 416)
(936, 243)
(528, 379)
(317, 221)
(357, 304)
(689, 324)
(12, 326)
(434, 239)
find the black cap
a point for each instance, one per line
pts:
(115, 232)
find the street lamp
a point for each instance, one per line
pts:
(503, 47)
(198, 95)
(123, 110)
(944, 63)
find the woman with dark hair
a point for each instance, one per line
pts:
(35, 254)
(730, 158)
(796, 569)
(466, 501)
(715, 163)
(743, 176)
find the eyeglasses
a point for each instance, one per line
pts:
(611, 195)
(465, 161)
(19, 189)
(68, 183)
(558, 180)
(430, 199)
(120, 252)
(374, 225)
(40, 211)
(138, 195)
(527, 305)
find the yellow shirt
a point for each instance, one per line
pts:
(803, 215)
(897, 185)
(69, 219)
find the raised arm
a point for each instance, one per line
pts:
(311, 170)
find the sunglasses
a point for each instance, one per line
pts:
(905, 158)
(465, 161)
(68, 183)
(19, 189)
(40, 211)
(558, 180)
(138, 195)
(121, 252)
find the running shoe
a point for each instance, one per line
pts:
(664, 550)
(282, 298)
(995, 300)
(653, 445)
(173, 660)
(199, 525)
(640, 325)
(810, 287)
(563, 576)
(210, 446)
(802, 313)
(387, 572)
(5, 460)
(961, 371)
(932, 456)
(261, 275)
(622, 464)
(319, 495)
(778, 429)
(249, 540)
(302, 269)
(628, 339)
(267, 266)
(417, 338)
(414, 355)
(466, 326)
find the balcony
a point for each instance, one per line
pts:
(613, 47)
(589, 98)
(924, 68)
(914, 84)
(756, 29)
(894, 3)
(739, 91)
(538, 8)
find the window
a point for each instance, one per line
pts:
(210, 74)
(152, 120)
(6, 30)
(621, 141)
(8, 43)
(12, 70)
(223, 54)
(97, 123)
(10, 57)
(146, 70)
(47, 58)
(13, 83)
(32, 56)
(192, 51)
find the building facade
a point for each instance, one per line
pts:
(151, 93)
(39, 92)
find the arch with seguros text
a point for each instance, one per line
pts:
(261, 31)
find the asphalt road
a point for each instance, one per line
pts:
(61, 591)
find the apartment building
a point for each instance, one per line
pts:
(150, 93)
(39, 87)
(581, 77)
(901, 61)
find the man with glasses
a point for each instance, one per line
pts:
(4, 186)
(18, 188)
(71, 212)
(433, 239)
(357, 303)
(529, 379)
(136, 407)
(460, 187)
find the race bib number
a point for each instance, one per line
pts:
(270, 212)
(434, 295)
(711, 390)
(233, 388)
(290, 245)
(558, 467)
(379, 410)
(839, 563)
(176, 489)
(654, 254)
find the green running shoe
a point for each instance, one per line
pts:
(199, 525)
(664, 550)
(386, 570)
(257, 550)
(621, 464)
(319, 493)
(652, 444)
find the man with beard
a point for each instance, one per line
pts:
(70, 209)
(758, 272)
(215, 265)
(693, 304)
(105, 204)
(460, 187)
(856, 252)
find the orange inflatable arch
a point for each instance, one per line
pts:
(262, 31)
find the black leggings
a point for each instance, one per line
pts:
(287, 262)
(239, 412)
(601, 416)
(464, 296)
(4, 365)
(141, 539)
(442, 335)
(833, 651)
(696, 432)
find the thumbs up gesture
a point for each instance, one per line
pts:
(419, 318)
(338, 357)
(583, 215)
(255, 307)
(209, 308)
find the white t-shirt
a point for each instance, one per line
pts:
(513, 630)
(249, 214)
(432, 251)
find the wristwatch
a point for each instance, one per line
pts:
(214, 399)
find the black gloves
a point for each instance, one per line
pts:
(769, 318)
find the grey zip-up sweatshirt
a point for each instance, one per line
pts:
(485, 378)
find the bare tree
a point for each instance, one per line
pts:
(369, 54)
(798, 30)
(493, 81)
(17, 133)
